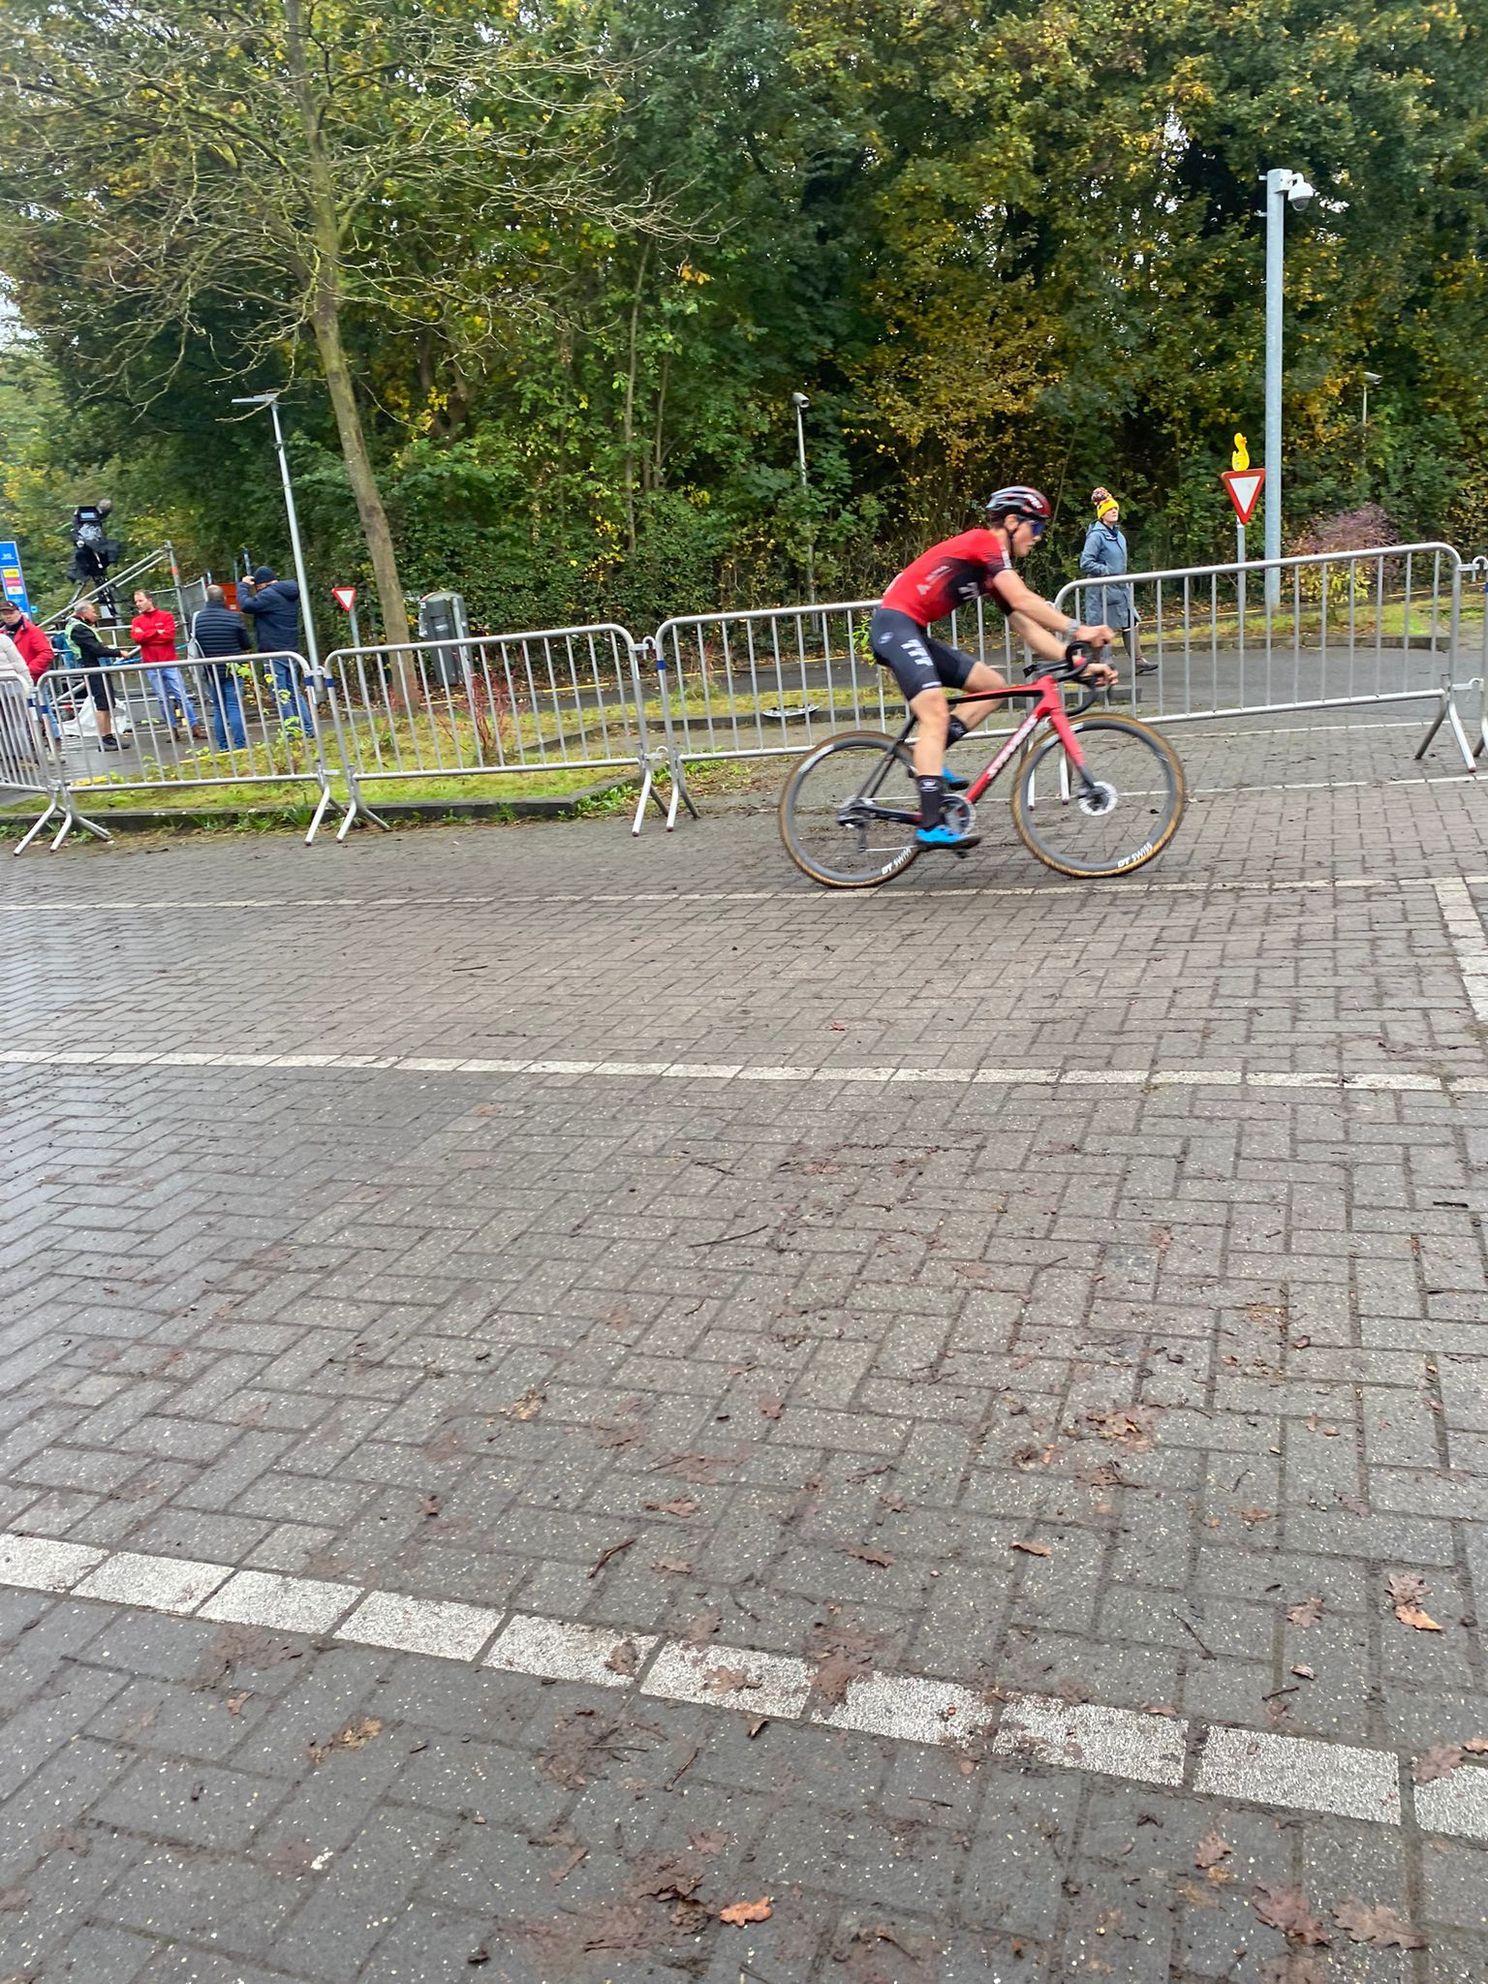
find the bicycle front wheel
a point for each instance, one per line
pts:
(1125, 822)
(849, 811)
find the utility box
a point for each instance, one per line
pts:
(442, 617)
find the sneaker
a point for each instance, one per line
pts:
(109, 743)
(944, 837)
(953, 781)
(1146, 668)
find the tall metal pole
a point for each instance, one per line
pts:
(800, 401)
(294, 537)
(1278, 179)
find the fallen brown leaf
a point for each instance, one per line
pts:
(678, 1566)
(772, 1407)
(869, 1554)
(1250, 1517)
(1306, 1612)
(835, 1674)
(747, 1911)
(1032, 1549)
(1211, 1849)
(1379, 1926)
(729, 1680)
(624, 1658)
(679, 1505)
(1284, 1909)
(526, 1407)
(355, 1736)
(1304, 1673)
(760, 1722)
(430, 1505)
(235, 1703)
(713, 1840)
(1439, 1761)
(702, 1626)
(1413, 1616)
(1405, 1588)
(1476, 1746)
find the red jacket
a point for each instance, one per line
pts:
(36, 649)
(155, 632)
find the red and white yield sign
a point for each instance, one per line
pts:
(345, 596)
(1244, 485)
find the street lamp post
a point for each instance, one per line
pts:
(271, 401)
(800, 402)
(1283, 189)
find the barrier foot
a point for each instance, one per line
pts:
(679, 792)
(64, 804)
(54, 806)
(648, 779)
(1448, 714)
(358, 809)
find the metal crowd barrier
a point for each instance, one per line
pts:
(487, 705)
(29, 764)
(1348, 629)
(189, 726)
(774, 681)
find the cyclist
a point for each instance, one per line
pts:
(953, 574)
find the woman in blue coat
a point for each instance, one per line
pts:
(1104, 557)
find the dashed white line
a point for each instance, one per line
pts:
(801, 897)
(1142, 1747)
(1469, 942)
(1396, 1081)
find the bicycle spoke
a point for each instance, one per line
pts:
(1119, 814)
(848, 813)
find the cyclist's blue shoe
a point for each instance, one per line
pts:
(943, 836)
(953, 781)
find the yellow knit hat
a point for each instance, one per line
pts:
(1103, 501)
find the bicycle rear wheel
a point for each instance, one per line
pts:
(1130, 817)
(849, 811)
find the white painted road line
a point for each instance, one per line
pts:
(801, 897)
(1386, 1081)
(1246, 1766)
(1469, 942)
(1297, 1771)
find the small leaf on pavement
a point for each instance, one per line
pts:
(1032, 1549)
(772, 1407)
(679, 1566)
(1405, 1587)
(868, 1554)
(1211, 1849)
(526, 1407)
(747, 1911)
(679, 1505)
(624, 1658)
(1380, 1926)
(1284, 1909)
(1306, 1612)
(728, 1680)
(1476, 1746)
(1439, 1761)
(1412, 1615)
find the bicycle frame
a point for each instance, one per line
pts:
(1048, 706)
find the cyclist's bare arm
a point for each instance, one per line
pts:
(1025, 604)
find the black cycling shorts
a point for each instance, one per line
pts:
(915, 659)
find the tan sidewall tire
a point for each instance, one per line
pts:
(1180, 790)
(848, 739)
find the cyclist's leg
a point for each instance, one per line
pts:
(906, 650)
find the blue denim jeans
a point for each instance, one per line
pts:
(289, 696)
(225, 708)
(171, 693)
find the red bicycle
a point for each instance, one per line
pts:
(1094, 795)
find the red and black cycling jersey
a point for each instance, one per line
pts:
(949, 575)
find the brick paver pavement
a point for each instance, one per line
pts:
(781, 1366)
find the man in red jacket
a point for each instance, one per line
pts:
(36, 649)
(154, 629)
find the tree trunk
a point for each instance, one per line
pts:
(630, 394)
(325, 321)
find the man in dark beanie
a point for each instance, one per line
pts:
(273, 605)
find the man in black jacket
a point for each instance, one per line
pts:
(274, 605)
(220, 637)
(82, 631)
